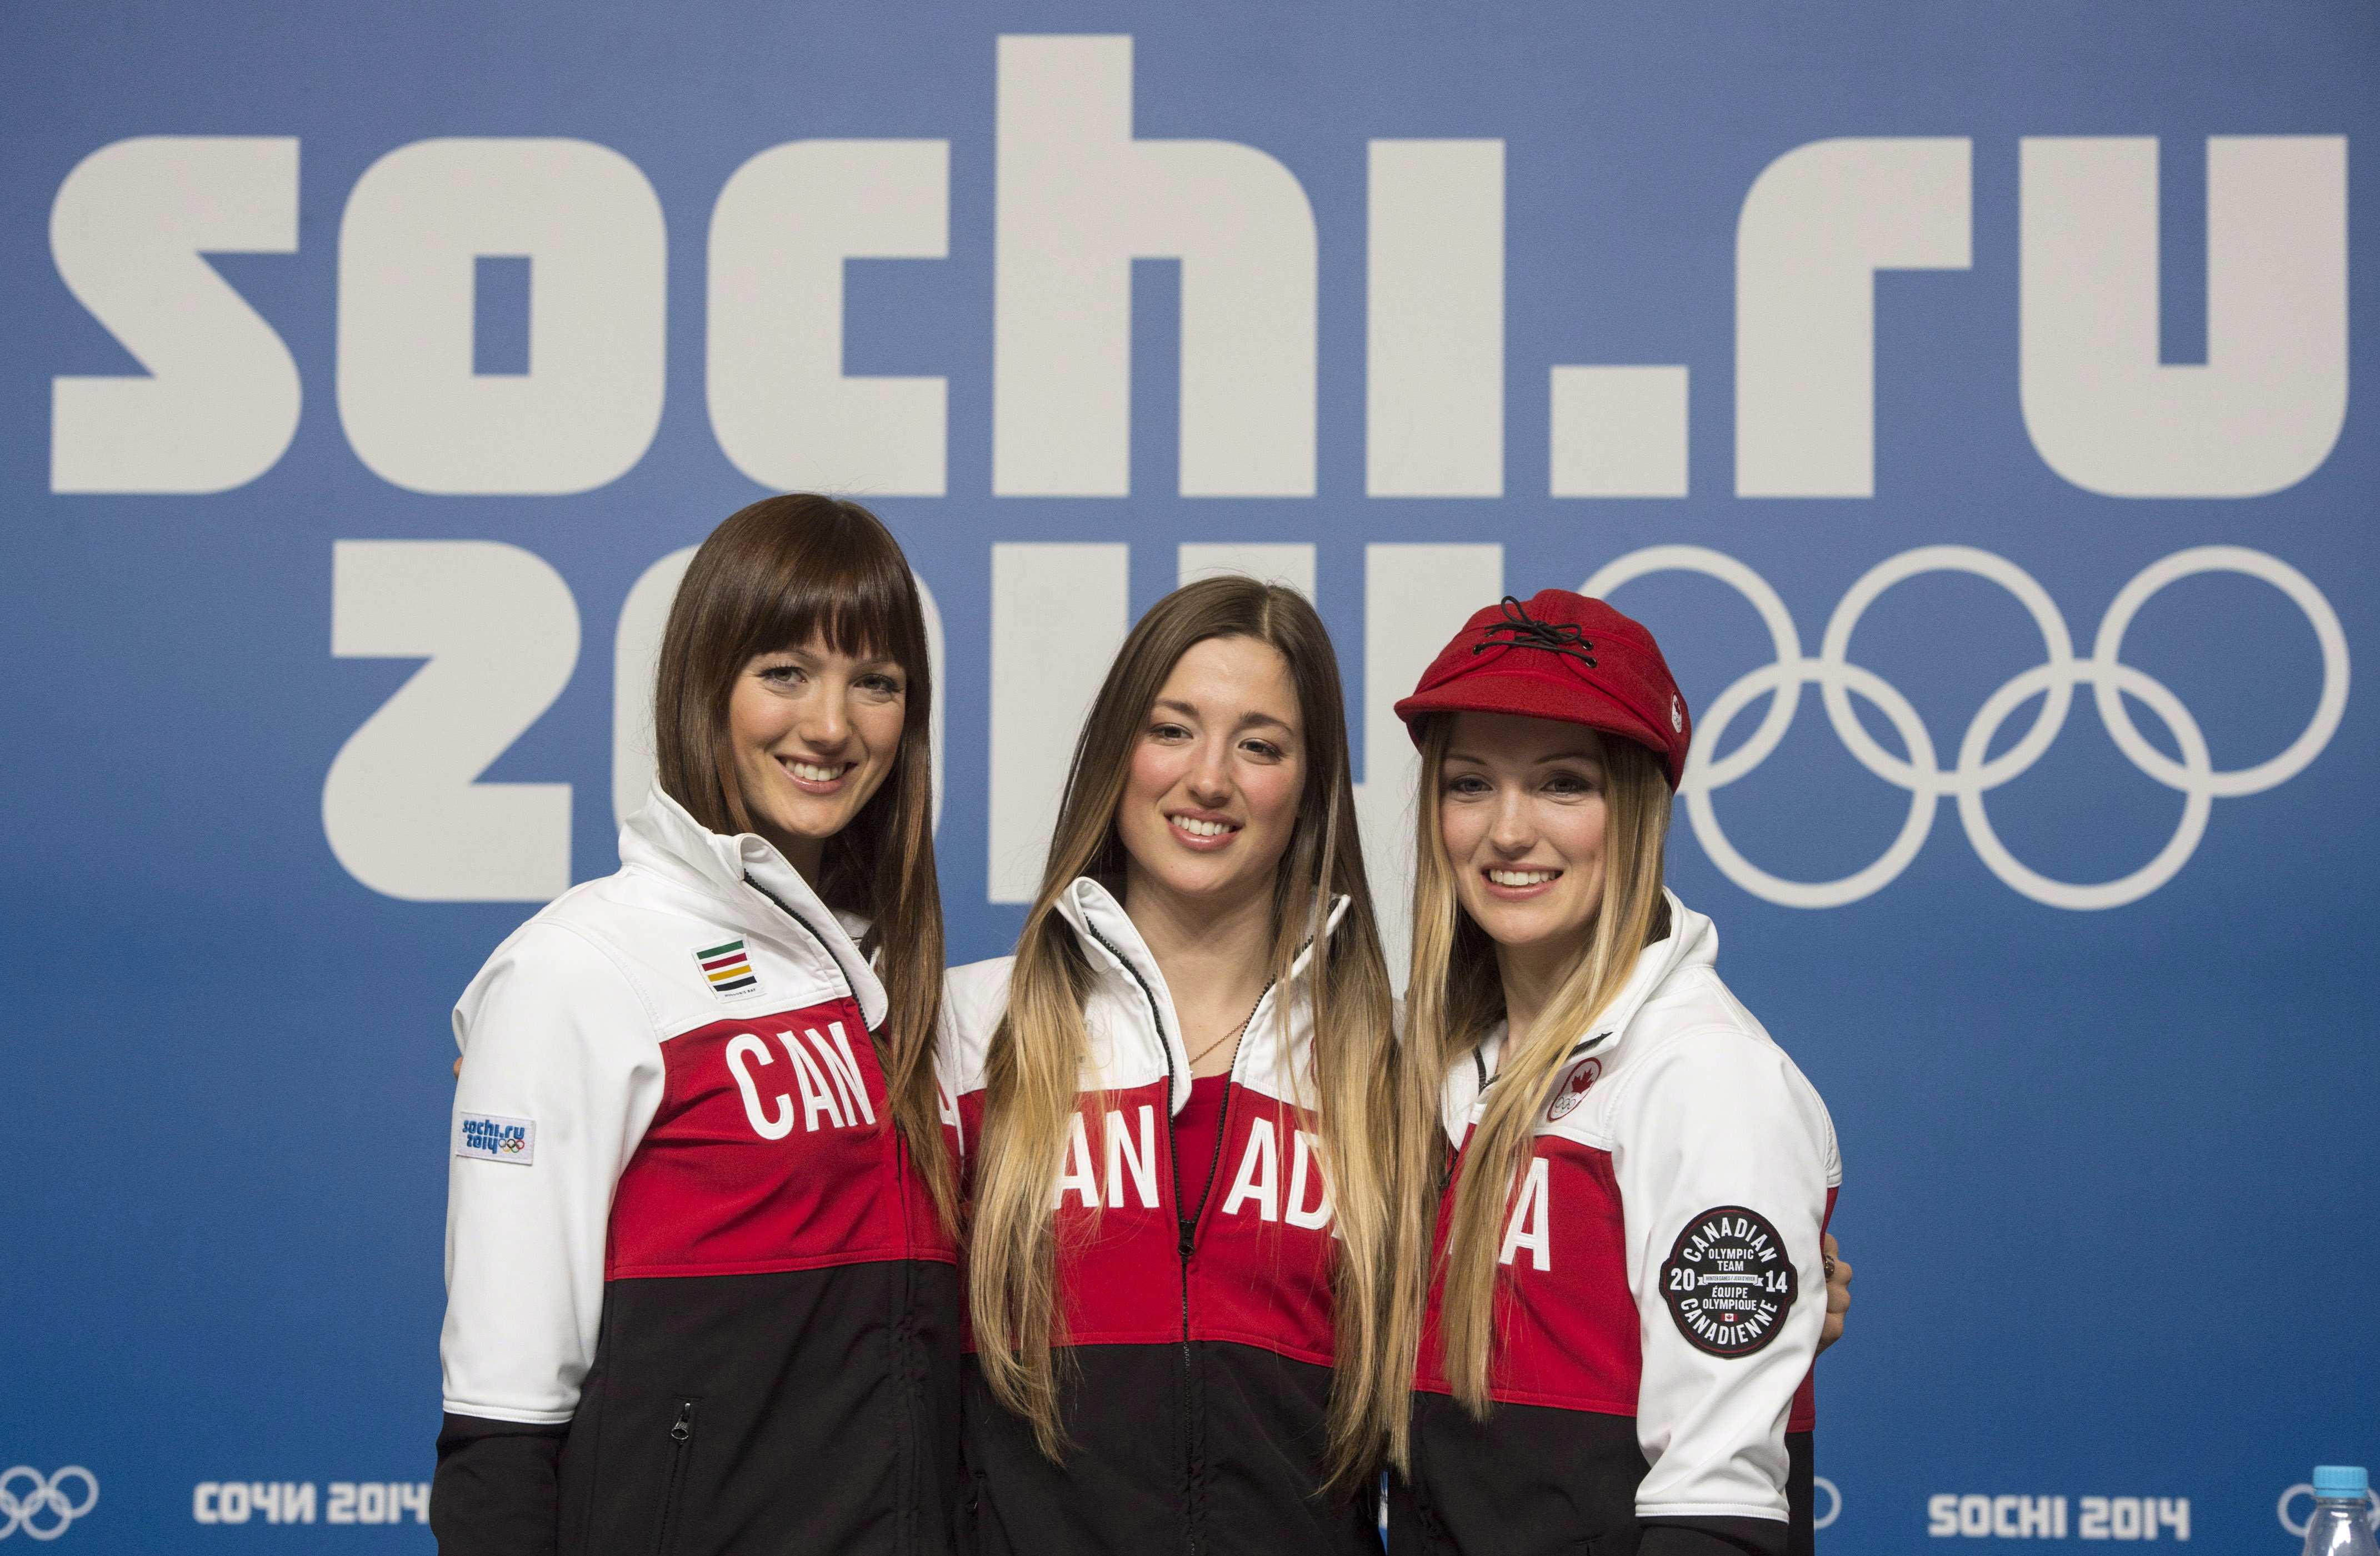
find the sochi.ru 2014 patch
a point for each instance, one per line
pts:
(494, 1138)
(1729, 1282)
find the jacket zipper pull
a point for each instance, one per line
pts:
(1189, 1237)
(684, 1426)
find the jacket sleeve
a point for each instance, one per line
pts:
(559, 1054)
(1723, 1154)
(497, 1488)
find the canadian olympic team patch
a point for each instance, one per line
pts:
(1729, 1282)
(1572, 1090)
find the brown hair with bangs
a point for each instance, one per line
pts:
(776, 576)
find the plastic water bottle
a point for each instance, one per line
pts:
(2340, 1524)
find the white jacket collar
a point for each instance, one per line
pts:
(1693, 941)
(662, 838)
(1113, 943)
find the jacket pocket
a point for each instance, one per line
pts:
(970, 1529)
(981, 1532)
(681, 1433)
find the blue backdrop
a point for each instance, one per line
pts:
(2064, 288)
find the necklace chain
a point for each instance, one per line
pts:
(1237, 1032)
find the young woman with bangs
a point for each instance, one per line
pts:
(1190, 1057)
(1631, 1181)
(701, 1290)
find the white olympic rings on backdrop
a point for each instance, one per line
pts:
(19, 1507)
(2370, 1499)
(1975, 774)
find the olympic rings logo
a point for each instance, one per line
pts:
(2281, 1509)
(1975, 774)
(20, 1508)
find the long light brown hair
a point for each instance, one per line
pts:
(1456, 997)
(1035, 1061)
(773, 576)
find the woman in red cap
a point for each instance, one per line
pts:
(1616, 1332)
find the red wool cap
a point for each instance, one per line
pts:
(1560, 656)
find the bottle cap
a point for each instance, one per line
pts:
(2340, 1481)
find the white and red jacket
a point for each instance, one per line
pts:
(1663, 1287)
(1194, 1295)
(686, 1249)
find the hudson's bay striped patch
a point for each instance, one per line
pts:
(728, 970)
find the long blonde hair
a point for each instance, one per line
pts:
(1034, 1063)
(1457, 996)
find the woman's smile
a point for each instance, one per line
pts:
(816, 778)
(1211, 798)
(816, 732)
(1521, 816)
(1205, 830)
(1520, 884)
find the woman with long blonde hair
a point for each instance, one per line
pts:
(1177, 1103)
(1634, 1181)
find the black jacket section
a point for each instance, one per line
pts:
(1713, 1536)
(1532, 1479)
(1703, 1537)
(1205, 1448)
(1748, 1537)
(497, 1486)
(794, 1412)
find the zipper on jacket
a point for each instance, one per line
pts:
(1214, 1165)
(681, 1449)
(777, 903)
(1188, 1228)
(836, 963)
(909, 1447)
(907, 1381)
(1172, 1150)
